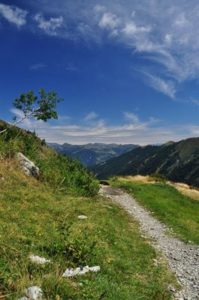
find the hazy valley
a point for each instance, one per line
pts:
(92, 154)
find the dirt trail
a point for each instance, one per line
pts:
(183, 258)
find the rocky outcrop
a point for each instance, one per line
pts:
(27, 165)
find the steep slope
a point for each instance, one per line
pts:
(61, 172)
(176, 161)
(92, 154)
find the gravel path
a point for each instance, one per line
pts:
(183, 258)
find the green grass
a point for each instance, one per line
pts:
(171, 207)
(36, 220)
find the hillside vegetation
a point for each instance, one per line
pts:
(180, 213)
(60, 172)
(176, 161)
(40, 217)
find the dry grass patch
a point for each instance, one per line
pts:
(138, 178)
(186, 190)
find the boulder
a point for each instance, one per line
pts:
(27, 165)
(34, 293)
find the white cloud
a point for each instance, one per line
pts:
(129, 116)
(91, 116)
(13, 14)
(143, 134)
(38, 66)
(71, 67)
(99, 8)
(162, 32)
(166, 87)
(131, 29)
(168, 40)
(181, 20)
(51, 25)
(132, 131)
(195, 101)
(109, 21)
(17, 113)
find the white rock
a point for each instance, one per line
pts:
(23, 298)
(95, 269)
(34, 293)
(27, 165)
(39, 260)
(80, 271)
(82, 217)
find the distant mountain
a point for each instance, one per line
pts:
(177, 161)
(92, 154)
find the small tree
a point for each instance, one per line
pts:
(42, 107)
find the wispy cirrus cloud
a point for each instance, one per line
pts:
(164, 86)
(13, 14)
(170, 48)
(131, 117)
(71, 67)
(91, 116)
(195, 101)
(38, 66)
(166, 40)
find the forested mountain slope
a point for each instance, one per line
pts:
(177, 161)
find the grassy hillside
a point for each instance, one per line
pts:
(40, 217)
(176, 161)
(179, 212)
(60, 172)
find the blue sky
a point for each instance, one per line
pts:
(127, 69)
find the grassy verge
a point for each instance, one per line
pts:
(179, 212)
(36, 220)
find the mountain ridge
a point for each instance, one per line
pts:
(92, 153)
(177, 161)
